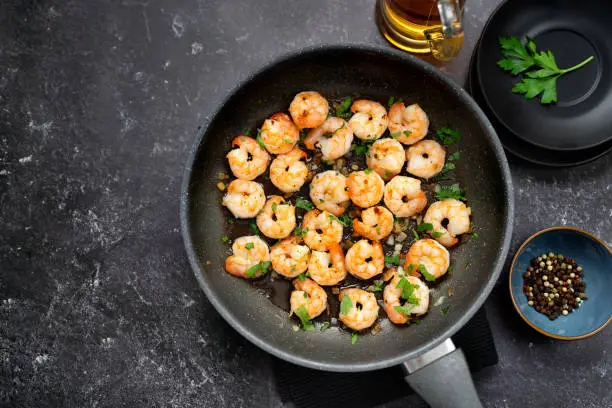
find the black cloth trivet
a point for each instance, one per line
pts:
(307, 388)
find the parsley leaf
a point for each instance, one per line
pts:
(354, 337)
(225, 239)
(474, 235)
(262, 267)
(302, 277)
(391, 101)
(539, 68)
(393, 260)
(425, 227)
(438, 234)
(274, 206)
(416, 235)
(254, 228)
(247, 132)
(346, 304)
(368, 171)
(453, 191)
(408, 291)
(343, 110)
(454, 156)
(325, 326)
(395, 134)
(302, 313)
(249, 246)
(304, 204)
(426, 273)
(448, 136)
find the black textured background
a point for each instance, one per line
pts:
(99, 102)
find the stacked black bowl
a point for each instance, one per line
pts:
(578, 127)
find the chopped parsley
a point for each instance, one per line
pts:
(378, 286)
(302, 313)
(410, 268)
(225, 239)
(448, 136)
(474, 235)
(408, 291)
(454, 156)
(299, 233)
(274, 206)
(325, 326)
(405, 309)
(344, 220)
(425, 227)
(453, 191)
(247, 132)
(346, 304)
(363, 148)
(407, 132)
(391, 101)
(249, 246)
(395, 134)
(354, 337)
(304, 204)
(343, 109)
(416, 235)
(287, 141)
(260, 140)
(437, 234)
(254, 228)
(368, 171)
(262, 267)
(426, 273)
(302, 276)
(393, 260)
(445, 310)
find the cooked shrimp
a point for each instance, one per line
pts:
(363, 311)
(425, 158)
(277, 219)
(408, 124)
(452, 213)
(334, 137)
(244, 198)
(289, 258)
(386, 157)
(365, 188)
(404, 197)
(402, 298)
(279, 134)
(322, 230)
(327, 268)
(376, 223)
(429, 253)
(309, 295)
(249, 160)
(288, 172)
(247, 252)
(328, 192)
(365, 259)
(309, 109)
(370, 119)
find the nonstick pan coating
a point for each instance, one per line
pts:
(336, 72)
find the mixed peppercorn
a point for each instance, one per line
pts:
(553, 285)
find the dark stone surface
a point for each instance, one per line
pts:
(99, 102)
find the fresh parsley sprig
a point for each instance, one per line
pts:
(539, 68)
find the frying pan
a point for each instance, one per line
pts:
(435, 369)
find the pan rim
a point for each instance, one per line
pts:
(408, 354)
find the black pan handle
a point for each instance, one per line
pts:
(442, 378)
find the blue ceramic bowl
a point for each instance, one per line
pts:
(596, 260)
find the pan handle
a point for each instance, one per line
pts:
(442, 378)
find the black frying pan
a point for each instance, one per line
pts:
(379, 73)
